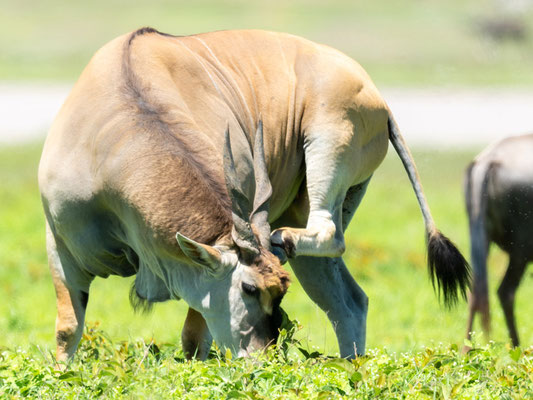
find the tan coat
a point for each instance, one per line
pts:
(135, 156)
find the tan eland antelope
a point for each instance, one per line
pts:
(136, 157)
(499, 202)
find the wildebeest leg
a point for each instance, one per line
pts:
(476, 197)
(195, 337)
(479, 298)
(507, 290)
(329, 284)
(71, 302)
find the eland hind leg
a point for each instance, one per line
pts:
(330, 285)
(71, 301)
(335, 161)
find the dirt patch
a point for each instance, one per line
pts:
(427, 117)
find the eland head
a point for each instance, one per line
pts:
(242, 304)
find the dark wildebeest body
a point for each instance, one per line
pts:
(499, 199)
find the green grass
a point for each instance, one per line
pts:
(140, 370)
(404, 42)
(413, 341)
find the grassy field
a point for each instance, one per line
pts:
(413, 340)
(413, 343)
(404, 42)
(140, 370)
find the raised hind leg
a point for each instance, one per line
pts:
(330, 285)
(71, 300)
(335, 161)
(326, 188)
(507, 291)
(195, 337)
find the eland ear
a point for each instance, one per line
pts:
(201, 254)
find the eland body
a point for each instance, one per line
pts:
(136, 156)
(499, 202)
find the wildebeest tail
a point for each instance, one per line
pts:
(448, 269)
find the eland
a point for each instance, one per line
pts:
(137, 158)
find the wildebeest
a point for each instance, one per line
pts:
(499, 202)
(136, 155)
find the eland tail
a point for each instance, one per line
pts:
(448, 269)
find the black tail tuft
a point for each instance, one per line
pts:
(139, 304)
(448, 267)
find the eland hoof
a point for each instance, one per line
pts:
(282, 242)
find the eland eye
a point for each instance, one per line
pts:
(250, 290)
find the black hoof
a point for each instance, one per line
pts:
(279, 252)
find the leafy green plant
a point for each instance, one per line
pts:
(143, 369)
(415, 347)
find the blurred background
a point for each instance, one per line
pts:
(457, 75)
(473, 42)
(448, 46)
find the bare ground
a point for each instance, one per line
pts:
(428, 117)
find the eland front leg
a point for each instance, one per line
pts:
(195, 337)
